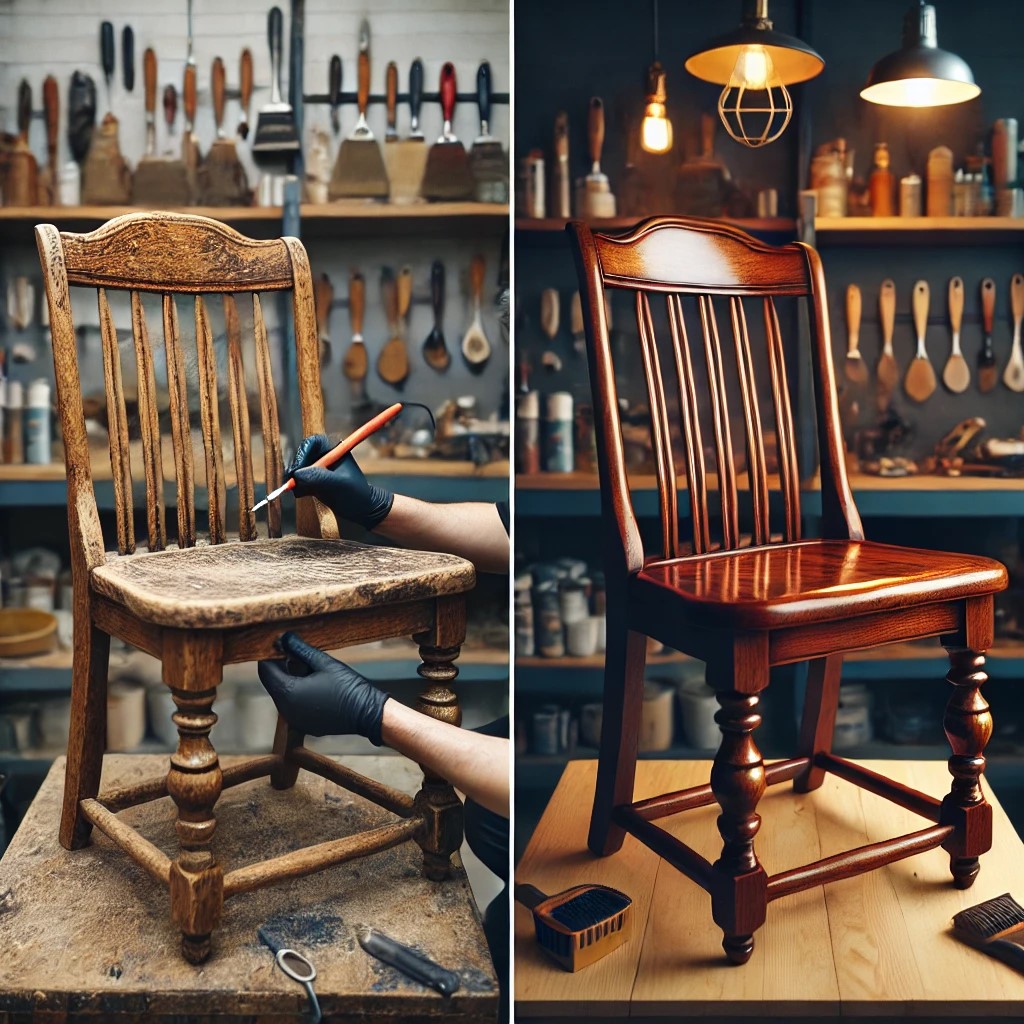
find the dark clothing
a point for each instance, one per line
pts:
(503, 511)
(487, 834)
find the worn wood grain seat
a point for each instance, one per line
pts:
(746, 591)
(273, 580)
(200, 602)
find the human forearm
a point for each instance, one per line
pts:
(472, 530)
(474, 764)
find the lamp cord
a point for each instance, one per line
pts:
(656, 31)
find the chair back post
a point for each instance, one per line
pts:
(85, 531)
(840, 518)
(624, 551)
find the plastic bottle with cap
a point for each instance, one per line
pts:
(558, 431)
(37, 423)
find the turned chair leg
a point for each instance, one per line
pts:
(620, 722)
(739, 896)
(87, 737)
(968, 726)
(192, 671)
(819, 718)
(437, 801)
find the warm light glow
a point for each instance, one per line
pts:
(920, 92)
(754, 68)
(656, 130)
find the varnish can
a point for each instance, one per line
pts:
(528, 432)
(550, 638)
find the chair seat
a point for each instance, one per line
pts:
(812, 581)
(236, 584)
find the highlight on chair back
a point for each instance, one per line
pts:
(743, 590)
(199, 604)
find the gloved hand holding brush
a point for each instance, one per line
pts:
(342, 488)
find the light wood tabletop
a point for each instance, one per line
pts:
(875, 945)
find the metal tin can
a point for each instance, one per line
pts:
(558, 433)
(910, 196)
(531, 190)
(548, 618)
(528, 432)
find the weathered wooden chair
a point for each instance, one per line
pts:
(200, 607)
(745, 603)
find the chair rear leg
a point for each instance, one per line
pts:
(87, 737)
(819, 718)
(286, 739)
(625, 655)
(968, 726)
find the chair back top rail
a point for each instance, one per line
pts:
(173, 254)
(716, 276)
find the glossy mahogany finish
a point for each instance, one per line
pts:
(812, 581)
(743, 598)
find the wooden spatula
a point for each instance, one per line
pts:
(887, 374)
(393, 361)
(957, 374)
(855, 368)
(987, 373)
(1013, 375)
(324, 294)
(355, 363)
(919, 382)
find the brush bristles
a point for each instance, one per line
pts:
(275, 132)
(990, 918)
(359, 172)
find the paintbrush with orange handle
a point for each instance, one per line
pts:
(337, 453)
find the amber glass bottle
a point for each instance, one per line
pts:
(882, 185)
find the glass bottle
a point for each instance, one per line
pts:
(882, 184)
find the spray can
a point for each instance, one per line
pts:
(37, 423)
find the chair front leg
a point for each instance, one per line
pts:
(739, 896)
(437, 801)
(968, 726)
(192, 670)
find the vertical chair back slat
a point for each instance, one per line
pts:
(757, 471)
(711, 265)
(785, 434)
(268, 417)
(209, 414)
(696, 477)
(117, 429)
(660, 437)
(720, 423)
(149, 426)
(239, 421)
(181, 433)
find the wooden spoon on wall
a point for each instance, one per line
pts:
(887, 373)
(355, 363)
(476, 349)
(324, 293)
(393, 361)
(919, 382)
(1013, 375)
(435, 351)
(957, 374)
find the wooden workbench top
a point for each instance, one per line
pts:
(878, 944)
(87, 935)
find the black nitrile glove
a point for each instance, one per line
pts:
(342, 488)
(332, 699)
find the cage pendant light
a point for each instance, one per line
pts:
(919, 74)
(755, 64)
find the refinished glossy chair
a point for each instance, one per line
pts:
(743, 603)
(199, 604)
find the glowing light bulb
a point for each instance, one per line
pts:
(656, 130)
(753, 68)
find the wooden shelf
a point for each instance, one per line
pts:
(26, 473)
(763, 225)
(342, 219)
(917, 230)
